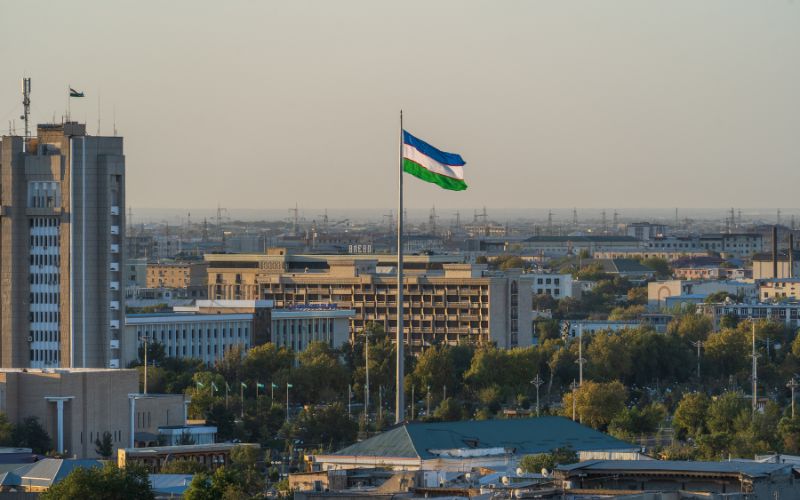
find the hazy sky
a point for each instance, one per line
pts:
(261, 104)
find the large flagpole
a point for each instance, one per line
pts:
(400, 406)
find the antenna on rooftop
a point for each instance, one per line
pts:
(26, 108)
(574, 216)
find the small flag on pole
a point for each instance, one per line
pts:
(422, 160)
(227, 386)
(275, 386)
(288, 385)
(75, 93)
(214, 387)
(200, 385)
(259, 385)
(244, 386)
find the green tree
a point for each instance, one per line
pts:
(320, 376)
(6, 431)
(690, 416)
(106, 483)
(448, 411)
(223, 483)
(325, 428)
(535, 463)
(266, 363)
(690, 327)
(727, 351)
(659, 265)
(30, 434)
(609, 357)
(634, 422)
(105, 446)
(597, 403)
(723, 410)
(629, 313)
(183, 466)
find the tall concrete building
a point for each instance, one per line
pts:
(62, 229)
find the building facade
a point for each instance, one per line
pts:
(62, 255)
(75, 406)
(177, 275)
(445, 302)
(209, 329)
(557, 286)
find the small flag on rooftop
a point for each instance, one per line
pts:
(259, 385)
(75, 93)
(244, 386)
(422, 160)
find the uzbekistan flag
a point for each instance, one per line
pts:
(422, 160)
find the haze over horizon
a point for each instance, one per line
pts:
(260, 105)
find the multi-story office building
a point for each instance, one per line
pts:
(445, 301)
(62, 229)
(210, 328)
(783, 312)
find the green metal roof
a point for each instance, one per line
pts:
(522, 436)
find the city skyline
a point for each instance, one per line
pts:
(558, 104)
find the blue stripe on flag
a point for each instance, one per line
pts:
(428, 150)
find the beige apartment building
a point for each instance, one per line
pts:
(177, 274)
(445, 301)
(62, 229)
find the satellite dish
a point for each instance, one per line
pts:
(505, 480)
(545, 472)
(520, 471)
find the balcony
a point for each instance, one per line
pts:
(114, 266)
(114, 210)
(114, 248)
(114, 324)
(115, 344)
(114, 285)
(114, 305)
(113, 363)
(114, 229)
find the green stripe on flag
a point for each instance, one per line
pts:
(423, 173)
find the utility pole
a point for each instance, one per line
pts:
(428, 409)
(699, 345)
(574, 386)
(366, 387)
(755, 370)
(537, 382)
(145, 338)
(412, 403)
(581, 360)
(349, 400)
(792, 385)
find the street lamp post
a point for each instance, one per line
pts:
(699, 345)
(792, 385)
(537, 382)
(574, 386)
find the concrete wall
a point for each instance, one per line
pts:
(99, 403)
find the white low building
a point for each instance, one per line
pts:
(557, 286)
(211, 328)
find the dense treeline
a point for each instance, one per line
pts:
(634, 382)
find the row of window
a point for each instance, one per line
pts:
(45, 278)
(44, 298)
(45, 260)
(44, 356)
(44, 316)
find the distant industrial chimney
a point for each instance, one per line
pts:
(775, 252)
(791, 255)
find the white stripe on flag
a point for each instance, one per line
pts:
(413, 154)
